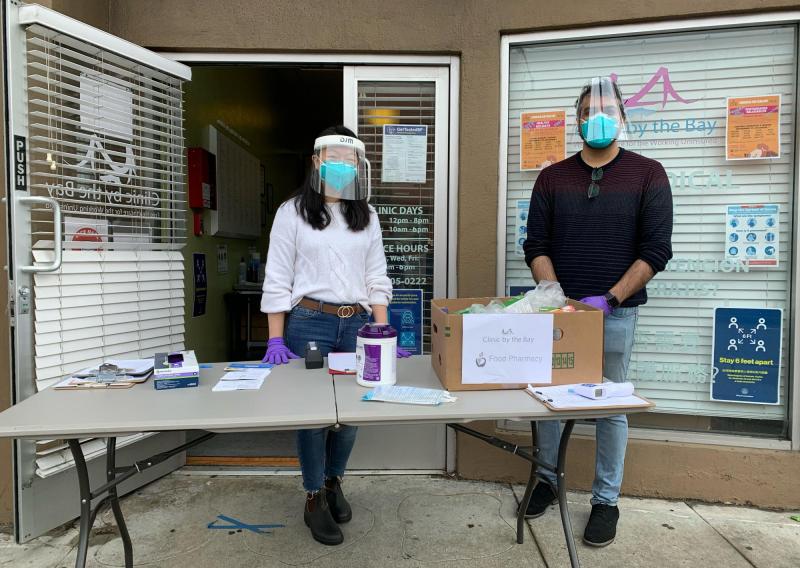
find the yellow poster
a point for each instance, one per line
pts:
(542, 139)
(753, 128)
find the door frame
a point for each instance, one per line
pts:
(357, 60)
(41, 504)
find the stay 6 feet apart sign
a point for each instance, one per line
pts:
(746, 363)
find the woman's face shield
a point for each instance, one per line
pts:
(341, 169)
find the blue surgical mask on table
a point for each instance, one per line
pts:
(337, 175)
(600, 130)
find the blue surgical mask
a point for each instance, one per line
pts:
(337, 175)
(600, 130)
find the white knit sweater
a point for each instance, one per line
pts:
(334, 265)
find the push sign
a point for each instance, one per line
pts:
(20, 164)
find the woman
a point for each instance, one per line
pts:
(326, 268)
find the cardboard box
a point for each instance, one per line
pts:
(577, 345)
(182, 373)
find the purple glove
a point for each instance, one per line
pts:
(598, 302)
(402, 353)
(277, 352)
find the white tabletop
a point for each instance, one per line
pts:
(291, 397)
(470, 406)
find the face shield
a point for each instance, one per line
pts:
(600, 114)
(341, 168)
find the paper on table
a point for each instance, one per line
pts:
(342, 362)
(246, 375)
(560, 397)
(228, 385)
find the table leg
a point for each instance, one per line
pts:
(562, 493)
(86, 503)
(111, 470)
(526, 498)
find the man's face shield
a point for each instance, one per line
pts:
(601, 121)
(341, 168)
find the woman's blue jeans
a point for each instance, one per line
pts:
(611, 432)
(323, 452)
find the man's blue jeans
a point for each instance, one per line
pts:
(612, 432)
(323, 452)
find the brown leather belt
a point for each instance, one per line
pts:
(341, 310)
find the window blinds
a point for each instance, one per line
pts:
(106, 304)
(684, 78)
(106, 140)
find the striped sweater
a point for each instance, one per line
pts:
(593, 242)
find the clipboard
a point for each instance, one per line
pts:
(94, 386)
(551, 401)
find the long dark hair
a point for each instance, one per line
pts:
(310, 204)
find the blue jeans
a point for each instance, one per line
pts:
(611, 432)
(323, 452)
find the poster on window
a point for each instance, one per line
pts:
(83, 232)
(542, 139)
(752, 234)
(200, 284)
(405, 153)
(746, 361)
(753, 128)
(521, 233)
(405, 315)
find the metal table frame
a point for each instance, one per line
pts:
(559, 469)
(116, 475)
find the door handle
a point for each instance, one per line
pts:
(56, 264)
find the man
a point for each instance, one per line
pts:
(600, 223)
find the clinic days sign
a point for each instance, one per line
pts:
(507, 348)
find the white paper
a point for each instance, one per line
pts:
(405, 153)
(507, 348)
(246, 375)
(83, 233)
(561, 397)
(105, 108)
(231, 385)
(342, 362)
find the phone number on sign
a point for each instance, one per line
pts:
(410, 281)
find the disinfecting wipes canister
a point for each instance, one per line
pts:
(376, 355)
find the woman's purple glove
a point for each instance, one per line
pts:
(402, 353)
(598, 302)
(277, 352)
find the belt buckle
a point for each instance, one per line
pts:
(345, 312)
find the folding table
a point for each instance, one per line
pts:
(291, 398)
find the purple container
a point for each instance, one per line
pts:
(376, 355)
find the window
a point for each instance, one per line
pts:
(676, 86)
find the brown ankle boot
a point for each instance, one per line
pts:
(340, 508)
(317, 516)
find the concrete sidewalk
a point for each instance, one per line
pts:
(407, 521)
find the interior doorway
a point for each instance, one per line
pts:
(271, 108)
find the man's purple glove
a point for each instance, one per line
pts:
(402, 353)
(598, 302)
(277, 352)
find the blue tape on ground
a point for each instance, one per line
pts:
(236, 524)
